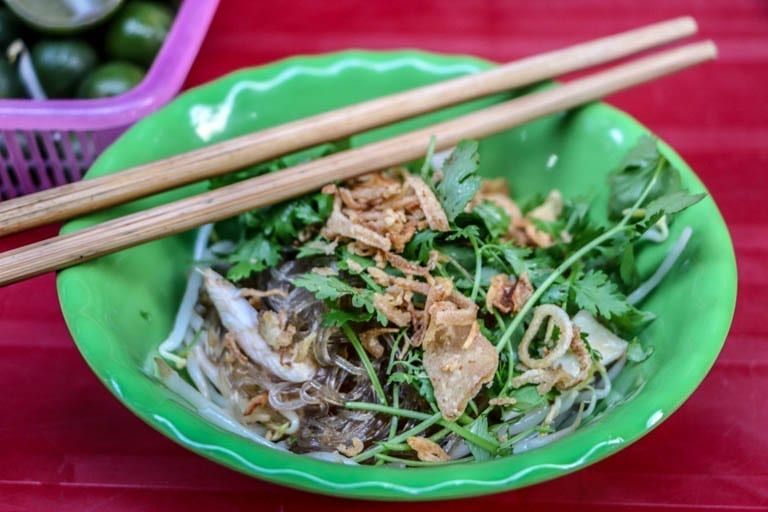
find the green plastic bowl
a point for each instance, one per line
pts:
(120, 307)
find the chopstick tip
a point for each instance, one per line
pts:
(709, 49)
(688, 24)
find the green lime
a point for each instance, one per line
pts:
(137, 32)
(10, 86)
(111, 79)
(63, 16)
(10, 28)
(61, 64)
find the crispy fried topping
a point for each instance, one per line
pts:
(521, 293)
(339, 225)
(557, 317)
(254, 296)
(383, 210)
(274, 330)
(502, 401)
(355, 447)
(565, 365)
(257, 401)
(370, 340)
(431, 207)
(457, 373)
(427, 450)
(508, 294)
(393, 305)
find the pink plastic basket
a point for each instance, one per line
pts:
(48, 143)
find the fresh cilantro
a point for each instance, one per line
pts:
(283, 222)
(672, 203)
(495, 219)
(635, 172)
(419, 247)
(331, 288)
(594, 292)
(460, 182)
(468, 232)
(338, 317)
(324, 287)
(317, 247)
(426, 165)
(631, 322)
(269, 232)
(253, 255)
(627, 266)
(411, 371)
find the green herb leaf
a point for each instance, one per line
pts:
(598, 295)
(317, 247)
(479, 427)
(495, 219)
(419, 247)
(627, 267)
(632, 176)
(338, 317)
(253, 255)
(331, 288)
(527, 398)
(325, 287)
(632, 321)
(672, 203)
(460, 182)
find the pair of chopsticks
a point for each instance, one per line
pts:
(85, 196)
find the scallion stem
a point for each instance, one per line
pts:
(485, 444)
(478, 268)
(416, 430)
(419, 463)
(366, 363)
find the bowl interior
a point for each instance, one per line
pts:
(120, 307)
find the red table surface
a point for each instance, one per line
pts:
(67, 444)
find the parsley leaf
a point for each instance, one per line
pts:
(460, 182)
(594, 292)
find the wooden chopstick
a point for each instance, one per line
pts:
(179, 216)
(71, 200)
